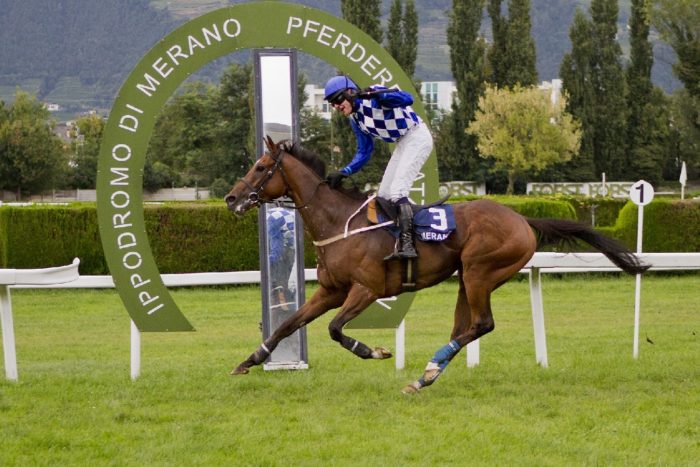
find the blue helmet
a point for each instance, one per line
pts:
(337, 85)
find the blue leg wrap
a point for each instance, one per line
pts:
(443, 356)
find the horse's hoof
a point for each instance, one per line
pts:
(240, 370)
(381, 353)
(411, 388)
(430, 375)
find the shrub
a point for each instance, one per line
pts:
(669, 226)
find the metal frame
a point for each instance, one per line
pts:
(271, 362)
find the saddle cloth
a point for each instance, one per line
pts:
(431, 223)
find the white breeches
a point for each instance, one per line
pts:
(408, 157)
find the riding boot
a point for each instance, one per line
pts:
(406, 246)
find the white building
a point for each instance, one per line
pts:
(437, 95)
(314, 100)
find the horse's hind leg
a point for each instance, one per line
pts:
(358, 299)
(473, 319)
(322, 301)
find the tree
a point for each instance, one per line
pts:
(609, 106)
(365, 14)
(85, 148)
(576, 72)
(496, 53)
(520, 46)
(203, 133)
(522, 130)
(457, 151)
(678, 21)
(512, 54)
(32, 157)
(647, 124)
(402, 35)
(594, 79)
(234, 102)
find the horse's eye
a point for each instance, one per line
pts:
(260, 168)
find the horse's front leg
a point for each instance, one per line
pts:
(321, 301)
(357, 301)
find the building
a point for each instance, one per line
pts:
(437, 95)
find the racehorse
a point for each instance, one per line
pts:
(490, 245)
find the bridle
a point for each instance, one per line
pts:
(254, 196)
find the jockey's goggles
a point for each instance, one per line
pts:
(337, 98)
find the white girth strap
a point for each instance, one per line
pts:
(348, 233)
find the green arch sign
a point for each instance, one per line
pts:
(156, 78)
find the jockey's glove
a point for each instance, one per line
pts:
(335, 179)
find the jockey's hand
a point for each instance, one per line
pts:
(335, 179)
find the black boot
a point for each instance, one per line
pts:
(406, 247)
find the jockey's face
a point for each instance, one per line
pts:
(345, 107)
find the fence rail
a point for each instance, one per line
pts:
(539, 264)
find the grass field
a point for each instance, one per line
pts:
(75, 404)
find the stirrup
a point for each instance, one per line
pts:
(406, 251)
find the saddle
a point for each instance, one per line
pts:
(432, 222)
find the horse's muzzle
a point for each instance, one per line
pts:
(238, 205)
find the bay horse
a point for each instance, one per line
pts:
(490, 245)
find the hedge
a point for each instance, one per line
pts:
(200, 237)
(192, 237)
(669, 226)
(183, 237)
(529, 206)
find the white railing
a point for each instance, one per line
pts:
(539, 264)
(28, 278)
(562, 263)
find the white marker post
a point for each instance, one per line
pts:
(641, 194)
(683, 179)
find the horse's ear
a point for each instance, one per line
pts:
(270, 144)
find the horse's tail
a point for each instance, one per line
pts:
(558, 232)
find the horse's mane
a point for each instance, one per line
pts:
(318, 165)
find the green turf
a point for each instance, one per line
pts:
(74, 403)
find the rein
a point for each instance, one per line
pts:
(349, 233)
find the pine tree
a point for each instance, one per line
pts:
(645, 150)
(394, 31)
(609, 108)
(410, 34)
(512, 54)
(402, 35)
(520, 46)
(576, 73)
(457, 153)
(497, 51)
(365, 14)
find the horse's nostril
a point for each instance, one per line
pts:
(229, 199)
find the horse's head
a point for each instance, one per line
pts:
(263, 182)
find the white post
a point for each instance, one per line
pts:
(641, 194)
(638, 283)
(538, 317)
(473, 350)
(401, 345)
(135, 352)
(8, 333)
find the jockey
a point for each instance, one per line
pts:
(378, 112)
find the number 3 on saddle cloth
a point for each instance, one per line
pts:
(431, 223)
